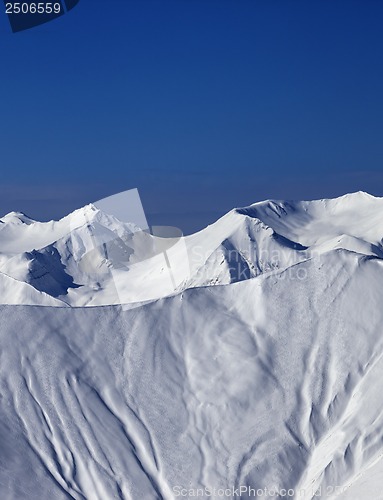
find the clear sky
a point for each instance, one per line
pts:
(202, 105)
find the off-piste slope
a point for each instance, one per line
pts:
(312, 223)
(17, 292)
(90, 258)
(272, 382)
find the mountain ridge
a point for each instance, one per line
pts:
(106, 261)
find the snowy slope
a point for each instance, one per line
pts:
(358, 215)
(17, 292)
(91, 258)
(272, 381)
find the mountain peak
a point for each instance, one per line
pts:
(359, 195)
(17, 218)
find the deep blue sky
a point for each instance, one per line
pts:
(201, 105)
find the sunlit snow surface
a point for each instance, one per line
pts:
(262, 369)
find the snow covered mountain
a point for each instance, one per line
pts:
(270, 382)
(91, 258)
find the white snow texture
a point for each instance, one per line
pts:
(245, 357)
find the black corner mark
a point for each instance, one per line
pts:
(71, 3)
(26, 14)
